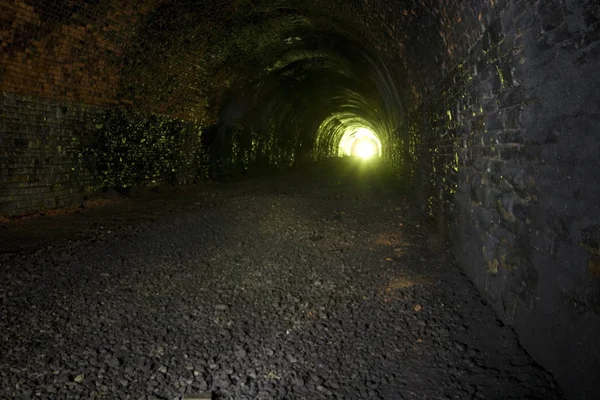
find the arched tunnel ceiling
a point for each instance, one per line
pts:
(292, 63)
(302, 66)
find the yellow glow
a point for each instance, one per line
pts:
(365, 148)
(360, 142)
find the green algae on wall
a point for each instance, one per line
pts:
(130, 148)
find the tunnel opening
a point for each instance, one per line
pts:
(323, 89)
(360, 142)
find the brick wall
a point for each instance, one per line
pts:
(40, 141)
(64, 50)
(61, 65)
(509, 139)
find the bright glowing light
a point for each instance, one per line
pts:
(361, 142)
(364, 148)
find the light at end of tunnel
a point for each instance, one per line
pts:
(365, 148)
(361, 142)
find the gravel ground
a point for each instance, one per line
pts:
(264, 289)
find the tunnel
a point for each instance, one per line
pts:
(281, 199)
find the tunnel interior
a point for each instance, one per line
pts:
(487, 111)
(286, 68)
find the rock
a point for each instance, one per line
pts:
(241, 353)
(223, 383)
(202, 386)
(298, 381)
(176, 314)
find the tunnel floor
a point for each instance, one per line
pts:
(272, 288)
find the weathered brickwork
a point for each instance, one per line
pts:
(61, 65)
(66, 51)
(510, 151)
(40, 142)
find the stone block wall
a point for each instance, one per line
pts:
(509, 151)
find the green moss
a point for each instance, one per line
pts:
(501, 76)
(134, 149)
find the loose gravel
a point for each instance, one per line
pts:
(323, 288)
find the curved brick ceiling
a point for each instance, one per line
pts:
(293, 63)
(289, 63)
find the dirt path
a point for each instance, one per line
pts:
(272, 289)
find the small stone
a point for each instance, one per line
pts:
(417, 307)
(241, 353)
(221, 307)
(223, 383)
(113, 362)
(460, 347)
(493, 267)
(203, 386)
(298, 381)
(292, 359)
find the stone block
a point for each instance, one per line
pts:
(494, 121)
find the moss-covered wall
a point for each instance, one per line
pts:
(54, 154)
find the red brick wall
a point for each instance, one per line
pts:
(74, 59)
(60, 64)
